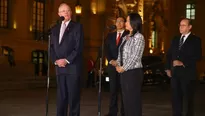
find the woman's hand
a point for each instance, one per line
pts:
(113, 62)
(119, 69)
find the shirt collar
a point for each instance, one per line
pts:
(186, 35)
(122, 31)
(66, 23)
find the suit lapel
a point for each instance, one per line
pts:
(121, 38)
(114, 38)
(58, 32)
(123, 34)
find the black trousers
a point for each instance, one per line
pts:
(131, 83)
(68, 92)
(115, 91)
(183, 88)
(91, 79)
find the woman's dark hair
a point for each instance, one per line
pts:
(135, 22)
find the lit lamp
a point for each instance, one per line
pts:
(78, 9)
(94, 7)
(14, 25)
(106, 62)
(30, 28)
(151, 51)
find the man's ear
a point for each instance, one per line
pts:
(190, 27)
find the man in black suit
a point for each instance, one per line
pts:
(184, 52)
(113, 41)
(66, 54)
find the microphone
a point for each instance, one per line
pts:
(62, 18)
(59, 21)
(112, 27)
(54, 24)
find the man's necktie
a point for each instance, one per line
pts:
(118, 39)
(181, 42)
(63, 27)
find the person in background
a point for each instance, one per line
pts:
(114, 39)
(91, 75)
(182, 56)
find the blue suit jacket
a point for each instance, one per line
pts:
(71, 48)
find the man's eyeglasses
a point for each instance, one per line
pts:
(120, 21)
(183, 25)
(64, 11)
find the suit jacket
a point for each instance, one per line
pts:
(111, 49)
(189, 53)
(131, 51)
(70, 48)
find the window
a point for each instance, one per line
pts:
(37, 56)
(38, 18)
(190, 11)
(4, 13)
(39, 59)
(154, 39)
(153, 35)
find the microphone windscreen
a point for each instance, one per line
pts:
(112, 27)
(61, 18)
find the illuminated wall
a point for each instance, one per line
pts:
(141, 8)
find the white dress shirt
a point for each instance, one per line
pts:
(121, 32)
(185, 36)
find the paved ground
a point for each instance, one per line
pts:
(30, 101)
(24, 95)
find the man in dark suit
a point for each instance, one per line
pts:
(184, 52)
(66, 54)
(113, 41)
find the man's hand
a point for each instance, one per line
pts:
(177, 63)
(61, 62)
(168, 73)
(119, 69)
(113, 63)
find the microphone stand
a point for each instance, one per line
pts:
(48, 71)
(100, 77)
(112, 28)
